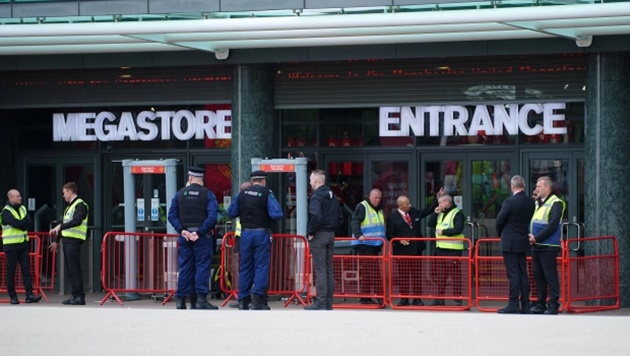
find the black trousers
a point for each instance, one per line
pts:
(13, 257)
(446, 269)
(546, 274)
(516, 269)
(72, 259)
(370, 269)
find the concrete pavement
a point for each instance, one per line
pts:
(148, 328)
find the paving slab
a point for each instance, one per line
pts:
(148, 328)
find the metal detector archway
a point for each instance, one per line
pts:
(297, 166)
(168, 167)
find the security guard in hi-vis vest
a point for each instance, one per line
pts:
(257, 208)
(449, 223)
(15, 225)
(73, 230)
(545, 240)
(193, 214)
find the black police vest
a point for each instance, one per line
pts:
(252, 204)
(192, 202)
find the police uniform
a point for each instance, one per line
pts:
(256, 207)
(194, 209)
(15, 225)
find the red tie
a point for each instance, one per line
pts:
(407, 219)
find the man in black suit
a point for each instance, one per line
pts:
(512, 225)
(405, 222)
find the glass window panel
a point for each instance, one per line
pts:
(393, 179)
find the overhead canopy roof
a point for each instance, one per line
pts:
(223, 31)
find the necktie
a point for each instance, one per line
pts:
(407, 219)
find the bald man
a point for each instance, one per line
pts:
(15, 225)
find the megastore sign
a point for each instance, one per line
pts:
(106, 126)
(456, 120)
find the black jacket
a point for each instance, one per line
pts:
(324, 212)
(513, 223)
(398, 227)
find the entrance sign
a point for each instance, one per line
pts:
(453, 120)
(106, 126)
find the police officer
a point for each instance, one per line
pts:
(73, 230)
(15, 225)
(193, 214)
(545, 239)
(256, 207)
(238, 230)
(449, 223)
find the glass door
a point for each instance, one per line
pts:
(218, 179)
(352, 177)
(478, 183)
(43, 179)
(566, 170)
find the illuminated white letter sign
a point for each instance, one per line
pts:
(105, 126)
(459, 120)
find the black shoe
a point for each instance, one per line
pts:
(78, 300)
(552, 309)
(259, 302)
(417, 302)
(181, 304)
(33, 298)
(524, 307)
(438, 302)
(68, 301)
(403, 303)
(14, 300)
(366, 301)
(537, 309)
(329, 305)
(315, 306)
(243, 304)
(205, 305)
(509, 310)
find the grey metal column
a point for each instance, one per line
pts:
(131, 262)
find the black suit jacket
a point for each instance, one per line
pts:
(513, 223)
(398, 227)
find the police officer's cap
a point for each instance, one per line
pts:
(258, 175)
(196, 172)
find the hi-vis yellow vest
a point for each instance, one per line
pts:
(10, 234)
(77, 232)
(446, 222)
(540, 220)
(239, 229)
(372, 226)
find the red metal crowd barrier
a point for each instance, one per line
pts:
(592, 279)
(48, 263)
(288, 268)
(229, 267)
(35, 260)
(357, 277)
(436, 279)
(139, 263)
(491, 283)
